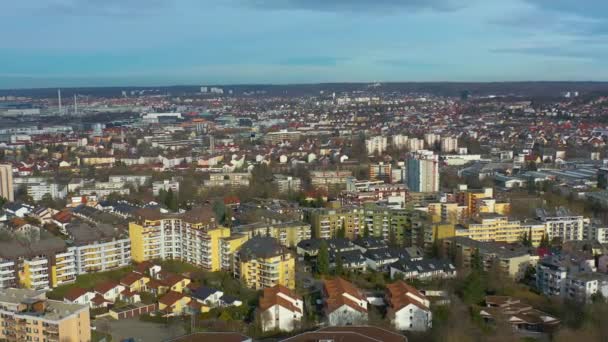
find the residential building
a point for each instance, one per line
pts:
(328, 179)
(514, 261)
(98, 248)
(192, 236)
(263, 262)
(287, 184)
(166, 185)
(494, 227)
(344, 303)
(376, 144)
(280, 309)
(522, 317)
(228, 247)
(399, 141)
(6, 182)
(449, 145)
(423, 173)
(432, 140)
(230, 179)
(174, 304)
(380, 171)
(422, 269)
(27, 315)
(408, 309)
(289, 233)
(562, 224)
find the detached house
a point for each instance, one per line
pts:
(408, 308)
(280, 309)
(344, 303)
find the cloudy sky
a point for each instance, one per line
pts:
(49, 43)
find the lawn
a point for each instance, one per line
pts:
(88, 281)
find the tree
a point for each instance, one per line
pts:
(323, 258)
(544, 241)
(341, 233)
(476, 262)
(171, 201)
(219, 209)
(339, 264)
(365, 231)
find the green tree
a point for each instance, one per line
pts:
(476, 262)
(171, 201)
(323, 258)
(544, 241)
(339, 264)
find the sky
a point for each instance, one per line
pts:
(60, 43)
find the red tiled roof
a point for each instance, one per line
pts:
(171, 298)
(75, 293)
(398, 296)
(131, 278)
(336, 288)
(105, 286)
(271, 298)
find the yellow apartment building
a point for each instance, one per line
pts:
(493, 227)
(263, 262)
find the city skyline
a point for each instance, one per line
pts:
(88, 43)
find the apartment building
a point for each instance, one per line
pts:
(228, 247)
(380, 171)
(326, 223)
(423, 172)
(289, 234)
(328, 179)
(137, 180)
(38, 265)
(569, 276)
(287, 184)
(98, 248)
(6, 182)
(449, 145)
(27, 315)
(193, 237)
(376, 144)
(494, 227)
(263, 262)
(513, 261)
(562, 224)
(166, 185)
(232, 179)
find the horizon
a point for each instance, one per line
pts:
(77, 43)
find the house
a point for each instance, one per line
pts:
(207, 296)
(174, 303)
(135, 282)
(173, 282)
(344, 303)
(130, 297)
(520, 316)
(422, 269)
(18, 209)
(109, 290)
(99, 302)
(227, 300)
(43, 214)
(148, 268)
(78, 295)
(280, 309)
(408, 308)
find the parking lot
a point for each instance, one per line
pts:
(140, 331)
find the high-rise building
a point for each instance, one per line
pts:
(376, 144)
(423, 173)
(449, 145)
(415, 144)
(6, 182)
(380, 171)
(400, 141)
(432, 139)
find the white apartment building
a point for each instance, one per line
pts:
(38, 190)
(399, 141)
(415, 144)
(376, 144)
(165, 185)
(287, 183)
(232, 179)
(101, 256)
(562, 224)
(449, 145)
(408, 308)
(432, 139)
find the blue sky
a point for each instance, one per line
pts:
(51, 43)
